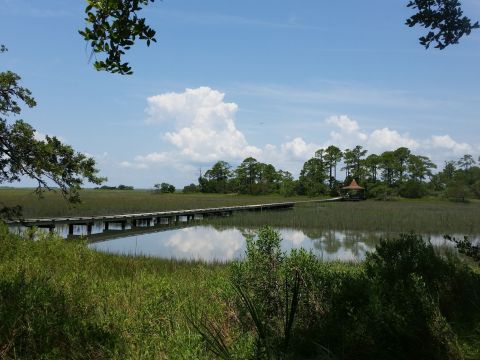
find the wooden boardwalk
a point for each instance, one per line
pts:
(151, 218)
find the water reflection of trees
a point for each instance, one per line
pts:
(327, 241)
(332, 241)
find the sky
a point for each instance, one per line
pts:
(275, 80)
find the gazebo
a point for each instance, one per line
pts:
(353, 192)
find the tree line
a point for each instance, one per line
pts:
(392, 173)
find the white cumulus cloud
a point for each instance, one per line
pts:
(446, 142)
(205, 128)
(386, 139)
(135, 166)
(299, 149)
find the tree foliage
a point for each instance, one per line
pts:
(47, 161)
(445, 20)
(164, 188)
(113, 27)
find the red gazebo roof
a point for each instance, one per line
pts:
(353, 186)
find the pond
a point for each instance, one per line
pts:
(209, 243)
(359, 227)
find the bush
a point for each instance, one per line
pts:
(274, 299)
(408, 282)
(124, 187)
(381, 192)
(457, 191)
(413, 190)
(403, 303)
(192, 188)
(164, 188)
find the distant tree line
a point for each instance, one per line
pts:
(119, 187)
(163, 188)
(391, 173)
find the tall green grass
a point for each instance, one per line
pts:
(107, 202)
(425, 217)
(58, 299)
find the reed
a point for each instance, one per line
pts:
(108, 202)
(425, 217)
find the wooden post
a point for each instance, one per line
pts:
(70, 229)
(123, 224)
(89, 228)
(106, 225)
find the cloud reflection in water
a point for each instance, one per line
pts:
(209, 243)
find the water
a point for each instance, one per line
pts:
(221, 242)
(209, 244)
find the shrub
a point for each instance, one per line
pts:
(403, 302)
(413, 189)
(192, 188)
(381, 192)
(164, 188)
(274, 300)
(408, 283)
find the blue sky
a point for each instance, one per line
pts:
(226, 80)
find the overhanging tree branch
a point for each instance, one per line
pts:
(444, 19)
(49, 161)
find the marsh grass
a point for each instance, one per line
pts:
(61, 300)
(425, 217)
(108, 202)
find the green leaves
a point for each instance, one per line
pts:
(47, 161)
(113, 27)
(11, 92)
(445, 20)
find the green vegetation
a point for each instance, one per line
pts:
(58, 299)
(119, 187)
(421, 216)
(404, 302)
(101, 202)
(164, 188)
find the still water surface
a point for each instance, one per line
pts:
(208, 243)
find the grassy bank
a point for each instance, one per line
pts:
(107, 202)
(58, 299)
(61, 300)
